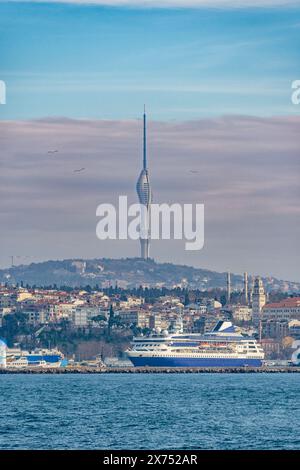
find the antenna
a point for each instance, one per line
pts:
(144, 142)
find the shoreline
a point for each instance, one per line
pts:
(152, 370)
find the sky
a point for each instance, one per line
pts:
(104, 63)
(222, 128)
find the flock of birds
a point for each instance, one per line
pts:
(77, 170)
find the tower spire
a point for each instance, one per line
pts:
(143, 188)
(144, 142)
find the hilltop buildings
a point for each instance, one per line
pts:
(85, 310)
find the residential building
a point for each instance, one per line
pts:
(287, 309)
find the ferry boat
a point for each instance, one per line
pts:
(37, 357)
(22, 362)
(224, 346)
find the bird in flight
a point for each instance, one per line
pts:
(52, 151)
(79, 170)
(194, 171)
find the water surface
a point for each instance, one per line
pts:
(150, 411)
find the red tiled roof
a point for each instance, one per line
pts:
(290, 302)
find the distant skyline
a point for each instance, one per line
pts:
(222, 128)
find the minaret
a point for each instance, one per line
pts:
(143, 189)
(228, 287)
(246, 300)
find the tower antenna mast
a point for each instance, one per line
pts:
(144, 141)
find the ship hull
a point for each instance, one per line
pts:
(51, 359)
(194, 362)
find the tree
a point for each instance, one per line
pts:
(15, 324)
(111, 316)
(186, 298)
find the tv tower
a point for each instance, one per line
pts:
(143, 189)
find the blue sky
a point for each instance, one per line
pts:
(101, 62)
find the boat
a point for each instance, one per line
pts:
(295, 360)
(224, 346)
(37, 357)
(22, 362)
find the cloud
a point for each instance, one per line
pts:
(244, 169)
(174, 3)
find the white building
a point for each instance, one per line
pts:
(82, 316)
(241, 313)
(195, 309)
(137, 317)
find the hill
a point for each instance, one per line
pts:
(126, 272)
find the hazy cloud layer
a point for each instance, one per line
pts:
(174, 3)
(245, 170)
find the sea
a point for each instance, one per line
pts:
(150, 411)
